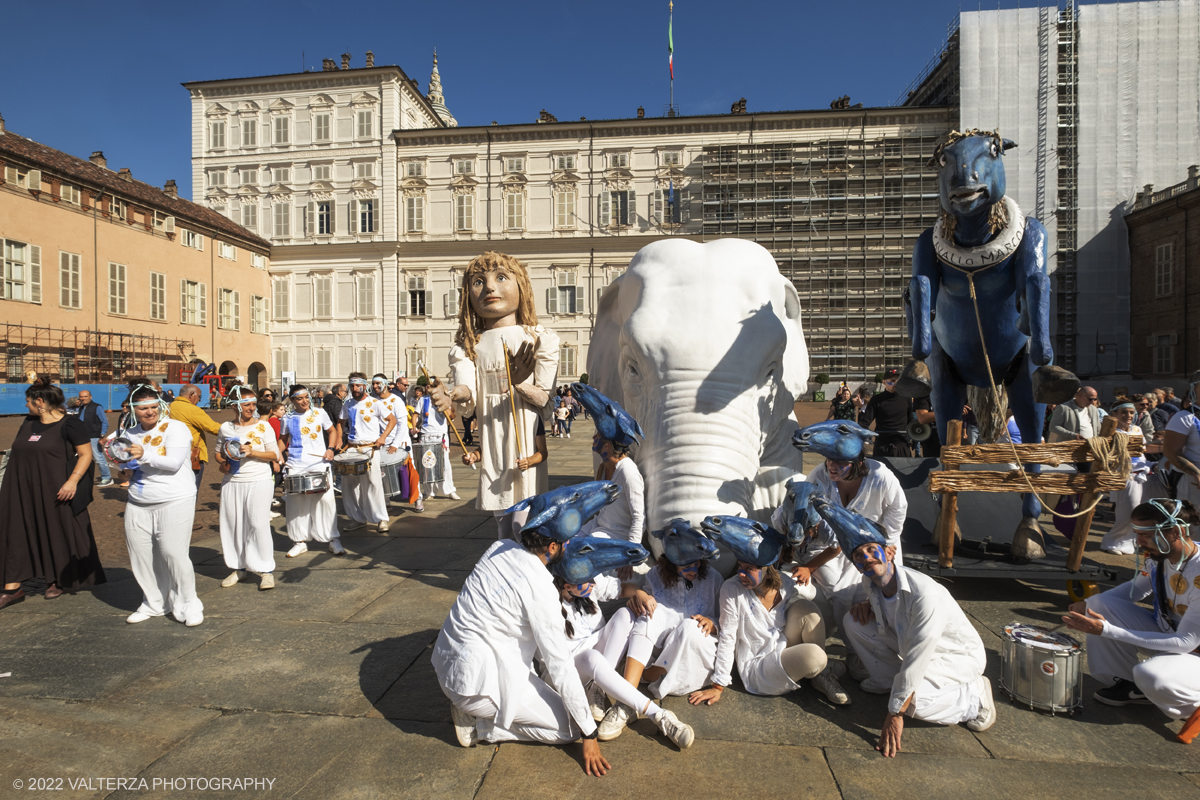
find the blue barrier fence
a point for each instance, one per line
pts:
(109, 395)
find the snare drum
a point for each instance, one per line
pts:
(390, 473)
(352, 462)
(316, 482)
(427, 458)
(1042, 668)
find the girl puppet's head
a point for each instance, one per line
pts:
(495, 288)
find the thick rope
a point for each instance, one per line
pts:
(1105, 451)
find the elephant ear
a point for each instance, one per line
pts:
(795, 354)
(605, 350)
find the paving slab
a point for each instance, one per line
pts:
(80, 741)
(119, 595)
(443, 526)
(418, 760)
(86, 657)
(286, 748)
(423, 600)
(863, 776)
(1194, 777)
(11, 623)
(416, 696)
(278, 665)
(430, 554)
(653, 767)
(325, 595)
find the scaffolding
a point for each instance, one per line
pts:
(841, 216)
(86, 356)
(1066, 283)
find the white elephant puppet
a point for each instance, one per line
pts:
(703, 344)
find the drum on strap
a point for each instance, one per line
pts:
(117, 449)
(1041, 667)
(427, 458)
(314, 482)
(352, 462)
(390, 475)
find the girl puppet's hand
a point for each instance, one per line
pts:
(521, 362)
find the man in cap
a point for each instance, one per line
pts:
(890, 412)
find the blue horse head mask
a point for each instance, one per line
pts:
(802, 514)
(612, 421)
(585, 557)
(750, 542)
(682, 544)
(851, 529)
(840, 440)
(560, 513)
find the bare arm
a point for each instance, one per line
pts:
(1173, 443)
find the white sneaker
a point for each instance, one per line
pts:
(136, 617)
(383, 526)
(233, 578)
(454, 496)
(194, 619)
(419, 505)
(297, 549)
(987, 706)
(335, 547)
(568, 436)
(856, 668)
(464, 727)
(614, 722)
(267, 581)
(597, 700)
(678, 732)
(827, 684)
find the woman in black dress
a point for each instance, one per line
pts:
(46, 531)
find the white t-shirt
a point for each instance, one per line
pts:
(399, 437)
(164, 472)
(433, 422)
(306, 445)
(625, 517)
(261, 436)
(366, 419)
(1185, 422)
(1085, 423)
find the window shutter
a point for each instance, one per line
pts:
(182, 301)
(35, 273)
(237, 311)
(64, 279)
(656, 206)
(200, 242)
(33, 180)
(404, 303)
(428, 304)
(552, 300)
(332, 216)
(605, 209)
(631, 208)
(352, 216)
(203, 304)
(580, 293)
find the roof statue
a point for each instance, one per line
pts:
(435, 96)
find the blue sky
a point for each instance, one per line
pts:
(106, 76)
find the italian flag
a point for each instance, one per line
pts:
(670, 48)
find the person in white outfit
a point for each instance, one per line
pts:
(246, 491)
(367, 423)
(1121, 633)
(507, 612)
(398, 448)
(310, 517)
(1181, 447)
(435, 439)
(916, 643)
(581, 584)
(773, 636)
(160, 511)
(498, 343)
(1120, 538)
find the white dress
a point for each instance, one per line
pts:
(246, 492)
(625, 518)
(685, 651)
(752, 637)
(309, 516)
(501, 484)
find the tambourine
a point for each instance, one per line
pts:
(232, 450)
(118, 449)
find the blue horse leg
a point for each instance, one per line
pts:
(949, 393)
(1029, 417)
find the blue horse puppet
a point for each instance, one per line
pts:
(801, 515)
(559, 513)
(838, 439)
(749, 541)
(980, 295)
(585, 557)
(682, 544)
(612, 421)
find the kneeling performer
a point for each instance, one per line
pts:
(915, 641)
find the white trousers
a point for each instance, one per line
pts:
(683, 650)
(312, 517)
(446, 485)
(508, 526)
(1137, 490)
(362, 495)
(880, 654)
(541, 715)
(246, 525)
(593, 666)
(1170, 681)
(158, 537)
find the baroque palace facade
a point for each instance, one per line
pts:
(372, 224)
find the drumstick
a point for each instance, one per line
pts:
(512, 399)
(457, 435)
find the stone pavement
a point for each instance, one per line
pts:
(324, 685)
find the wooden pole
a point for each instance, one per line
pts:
(946, 520)
(457, 435)
(1084, 524)
(512, 399)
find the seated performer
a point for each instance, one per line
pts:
(310, 516)
(915, 641)
(581, 580)
(367, 423)
(500, 342)
(1119, 630)
(616, 432)
(851, 480)
(676, 615)
(506, 612)
(775, 637)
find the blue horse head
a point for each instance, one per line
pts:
(560, 513)
(585, 557)
(851, 529)
(971, 172)
(838, 439)
(612, 421)
(749, 541)
(800, 497)
(683, 544)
